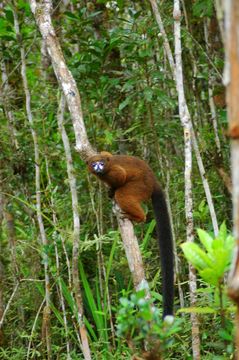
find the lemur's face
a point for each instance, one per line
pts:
(98, 164)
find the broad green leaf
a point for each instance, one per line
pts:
(229, 243)
(217, 244)
(9, 15)
(222, 259)
(225, 335)
(209, 276)
(196, 256)
(205, 239)
(223, 231)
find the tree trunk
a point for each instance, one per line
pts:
(76, 231)
(232, 82)
(195, 145)
(47, 310)
(188, 138)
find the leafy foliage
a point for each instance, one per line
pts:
(214, 262)
(138, 320)
(115, 52)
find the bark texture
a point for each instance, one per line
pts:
(42, 12)
(188, 138)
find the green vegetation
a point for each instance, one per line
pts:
(115, 52)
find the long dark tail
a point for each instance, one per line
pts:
(166, 249)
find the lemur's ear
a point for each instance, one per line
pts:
(106, 153)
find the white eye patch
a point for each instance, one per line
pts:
(98, 166)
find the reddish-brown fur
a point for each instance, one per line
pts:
(130, 178)
(131, 181)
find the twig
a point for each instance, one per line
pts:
(9, 303)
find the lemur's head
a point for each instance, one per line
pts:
(99, 164)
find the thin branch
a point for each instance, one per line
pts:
(76, 230)
(46, 325)
(8, 304)
(33, 328)
(55, 234)
(186, 113)
(42, 12)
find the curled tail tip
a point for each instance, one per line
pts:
(168, 319)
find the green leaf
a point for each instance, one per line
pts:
(148, 94)
(209, 276)
(9, 15)
(221, 262)
(223, 231)
(147, 236)
(124, 103)
(203, 8)
(143, 53)
(98, 318)
(196, 256)
(217, 244)
(68, 296)
(229, 243)
(225, 335)
(205, 239)
(71, 16)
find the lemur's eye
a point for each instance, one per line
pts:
(102, 163)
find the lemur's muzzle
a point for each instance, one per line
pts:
(98, 166)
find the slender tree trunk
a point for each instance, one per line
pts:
(33, 330)
(6, 308)
(12, 243)
(188, 138)
(60, 291)
(194, 140)
(176, 69)
(42, 12)
(218, 4)
(76, 231)
(232, 82)
(46, 310)
(8, 113)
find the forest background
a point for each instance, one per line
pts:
(61, 250)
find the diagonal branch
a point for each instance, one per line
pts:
(42, 15)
